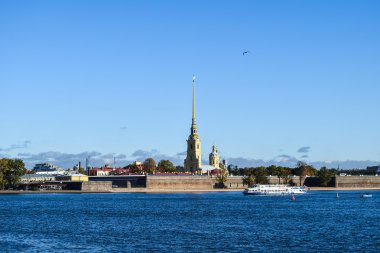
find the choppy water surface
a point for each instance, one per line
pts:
(205, 222)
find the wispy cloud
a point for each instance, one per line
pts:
(123, 128)
(144, 153)
(305, 149)
(12, 147)
(68, 160)
(285, 157)
(289, 161)
(184, 153)
(141, 155)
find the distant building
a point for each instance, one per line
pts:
(215, 165)
(208, 169)
(73, 177)
(373, 169)
(27, 178)
(120, 171)
(214, 159)
(47, 168)
(224, 164)
(103, 171)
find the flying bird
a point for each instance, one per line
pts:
(246, 52)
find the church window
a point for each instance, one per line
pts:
(198, 146)
(191, 146)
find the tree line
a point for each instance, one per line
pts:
(259, 175)
(149, 166)
(10, 172)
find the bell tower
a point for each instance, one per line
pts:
(214, 159)
(193, 161)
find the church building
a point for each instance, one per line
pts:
(214, 159)
(193, 161)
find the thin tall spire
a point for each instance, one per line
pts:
(193, 161)
(194, 113)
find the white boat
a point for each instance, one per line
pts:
(266, 189)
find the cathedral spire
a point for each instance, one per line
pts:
(194, 113)
(193, 120)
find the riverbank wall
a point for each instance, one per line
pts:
(357, 181)
(102, 186)
(190, 183)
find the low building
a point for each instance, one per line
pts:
(373, 169)
(208, 169)
(120, 171)
(47, 168)
(73, 177)
(27, 178)
(100, 172)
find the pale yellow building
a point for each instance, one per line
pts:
(193, 161)
(73, 177)
(214, 159)
(79, 177)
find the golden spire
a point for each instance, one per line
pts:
(194, 114)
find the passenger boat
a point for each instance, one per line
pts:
(266, 189)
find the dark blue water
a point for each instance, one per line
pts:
(206, 222)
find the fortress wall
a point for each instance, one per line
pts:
(357, 181)
(179, 182)
(294, 180)
(235, 183)
(97, 186)
(190, 182)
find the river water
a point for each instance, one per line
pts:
(203, 222)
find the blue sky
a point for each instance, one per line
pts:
(113, 78)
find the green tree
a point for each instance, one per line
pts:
(134, 169)
(10, 172)
(149, 165)
(248, 180)
(4, 165)
(222, 177)
(303, 169)
(284, 174)
(179, 168)
(325, 175)
(82, 171)
(261, 175)
(273, 170)
(166, 166)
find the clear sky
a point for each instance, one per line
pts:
(114, 78)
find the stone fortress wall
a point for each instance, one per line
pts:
(357, 181)
(97, 186)
(179, 183)
(190, 183)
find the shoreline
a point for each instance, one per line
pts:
(153, 191)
